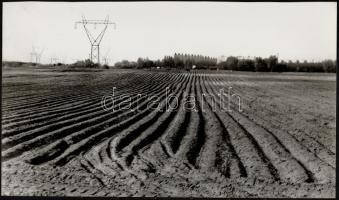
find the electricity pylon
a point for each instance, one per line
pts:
(38, 57)
(105, 58)
(54, 60)
(35, 56)
(95, 41)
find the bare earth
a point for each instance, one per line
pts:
(57, 140)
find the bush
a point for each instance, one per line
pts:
(125, 64)
(84, 64)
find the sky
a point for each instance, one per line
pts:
(304, 30)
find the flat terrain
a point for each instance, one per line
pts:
(58, 140)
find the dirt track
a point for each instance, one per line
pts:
(58, 140)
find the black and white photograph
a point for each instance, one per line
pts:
(169, 99)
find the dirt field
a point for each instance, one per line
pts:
(58, 140)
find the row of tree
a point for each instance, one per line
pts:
(84, 64)
(323, 66)
(140, 64)
(271, 64)
(257, 64)
(189, 61)
(179, 61)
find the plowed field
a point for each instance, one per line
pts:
(58, 140)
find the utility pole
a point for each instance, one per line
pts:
(95, 41)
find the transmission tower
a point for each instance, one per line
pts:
(38, 56)
(35, 56)
(105, 58)
(54, 60)
(95, 41)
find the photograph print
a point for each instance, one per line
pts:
(169, 99)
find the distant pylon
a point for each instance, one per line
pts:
(35, 56)
(38, 57)
(54, 60)
(95, 41)
(105, 58)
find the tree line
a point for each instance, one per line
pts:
(178, 61)
(257, 64)
(271, 64)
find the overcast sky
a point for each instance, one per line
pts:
(154, 29)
